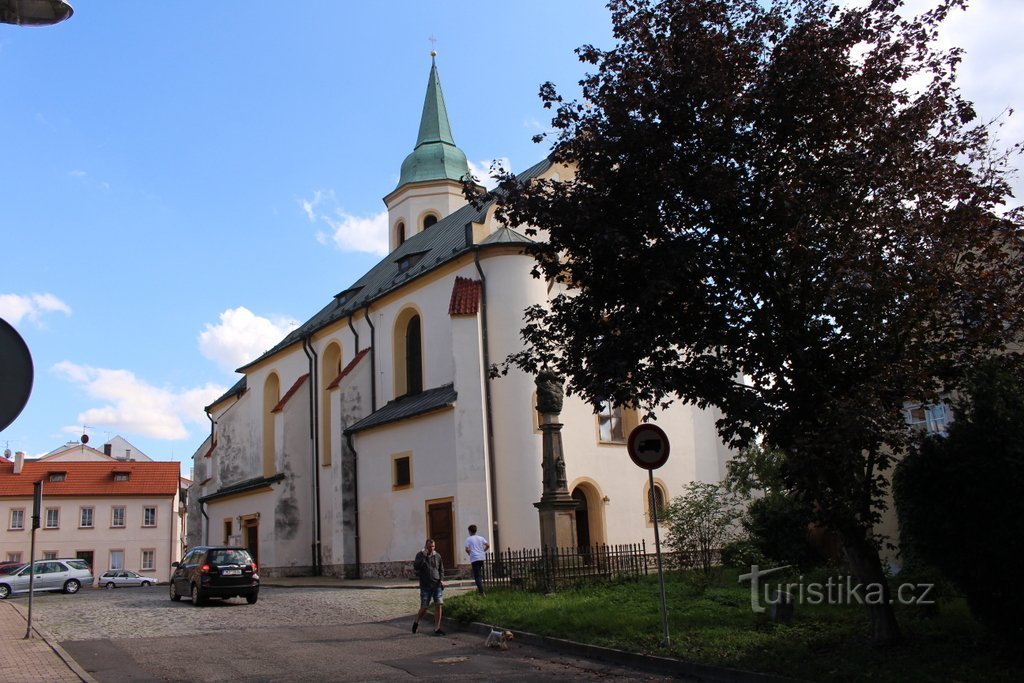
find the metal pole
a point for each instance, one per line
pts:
(37, 504)
(665, 642)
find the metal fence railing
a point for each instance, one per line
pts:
(548, 569)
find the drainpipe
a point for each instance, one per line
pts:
(354, 333)
(488, 410)
(373, 359)
(355, 497)
(307, 346)
(202, 505)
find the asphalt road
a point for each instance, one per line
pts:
(291, 634)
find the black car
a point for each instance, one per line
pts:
(215, 572)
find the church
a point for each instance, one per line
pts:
(375, 425)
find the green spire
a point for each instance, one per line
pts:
(435, 156)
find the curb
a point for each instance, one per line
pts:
(57, 649)
(649, 663)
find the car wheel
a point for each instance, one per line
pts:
(4, 591)
(197, 597)
(145, 584)
(251, 598)
(72, 586)
(174, 593)
(110, 585)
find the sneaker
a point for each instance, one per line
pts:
(438, 632)
(415, 626)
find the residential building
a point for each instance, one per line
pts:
(375, 424)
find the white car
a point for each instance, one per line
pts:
(120, 578)
(50, 575)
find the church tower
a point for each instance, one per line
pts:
(430, 186)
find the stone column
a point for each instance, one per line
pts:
(556, 507)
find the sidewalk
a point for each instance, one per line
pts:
(38, 658)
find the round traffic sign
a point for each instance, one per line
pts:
(648, 446)
(16, 374)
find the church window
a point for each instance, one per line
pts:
(271, 396)
(400, 234)
(428, 220)
(655, 502)
(609, 423)
(401, 471)
(408, 356)
(330, 368)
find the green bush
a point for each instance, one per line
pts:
(742, 554)
(777, 524)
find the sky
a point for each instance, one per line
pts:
(179, 189)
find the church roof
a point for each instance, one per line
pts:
(408, 406)
(435, 156)
(443, 242)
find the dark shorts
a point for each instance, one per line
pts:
(428, 594)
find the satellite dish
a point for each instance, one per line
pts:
(16, 374)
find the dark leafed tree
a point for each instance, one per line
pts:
(785, 210)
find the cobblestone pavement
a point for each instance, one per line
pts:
(149, 613)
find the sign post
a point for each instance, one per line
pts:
(648, 448)
(37, 508)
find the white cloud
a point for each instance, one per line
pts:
(14, 307)
(481, 170)
(134, 406)
(241, 336)
(366, 234)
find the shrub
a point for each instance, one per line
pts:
(777, 524)
(702, 521)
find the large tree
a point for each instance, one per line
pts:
(783, 209)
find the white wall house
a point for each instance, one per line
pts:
(114, 514)
(374, 424)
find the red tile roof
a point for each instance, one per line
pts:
(465, 297)
(348, 368)
(91, 478)
(290, 393)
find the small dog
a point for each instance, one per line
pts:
(498, 638)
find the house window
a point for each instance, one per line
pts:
(148, 560)
(122, 476)
(655, 503)
(401, 471)
(933, 419)
(49, 555)
(58, 476)
(17, 520)
(149, 516)
(116, 560)
(14, 556)
(117, 517)
(52, 518)
(609, 423)
(85, 518)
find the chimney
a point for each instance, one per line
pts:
(19, 461)
(106, 449)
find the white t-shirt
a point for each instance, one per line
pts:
(477, 548)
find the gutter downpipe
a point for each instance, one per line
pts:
(355, 496)
(307, 347)
(373, 359)
(488, 409)
(202, 505)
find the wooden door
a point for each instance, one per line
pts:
(251, 534)
(439, 527)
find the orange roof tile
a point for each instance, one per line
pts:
(348, 368)
(290, 393)
(91, 479)
(465, 297)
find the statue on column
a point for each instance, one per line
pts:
(549, 392)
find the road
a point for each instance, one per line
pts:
(290, 635)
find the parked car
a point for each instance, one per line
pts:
(51, 575)
(120, 578)
(215, 572)
(10, 567)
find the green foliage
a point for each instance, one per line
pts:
(777, 524)
(742, 554)
(980, 464)
(701, 521)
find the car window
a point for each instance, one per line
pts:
(78, 564)
(229, 557)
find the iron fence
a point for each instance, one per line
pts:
(548, 569)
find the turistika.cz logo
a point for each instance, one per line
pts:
(837, 590)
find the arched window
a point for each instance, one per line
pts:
(429, 220)
(408, 340)
(656, 500)
(399, 234)
(271, 395)
(329, 370)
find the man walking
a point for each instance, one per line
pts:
(430, 570)
(476, 548)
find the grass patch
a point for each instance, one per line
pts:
(711, 622)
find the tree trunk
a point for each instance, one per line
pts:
(867, 568)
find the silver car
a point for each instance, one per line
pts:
(120, 577)
(51, 575)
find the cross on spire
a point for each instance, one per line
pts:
(433, 44)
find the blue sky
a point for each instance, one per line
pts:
(181, 182)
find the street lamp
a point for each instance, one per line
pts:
(34, 12)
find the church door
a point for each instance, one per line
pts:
(439, 526)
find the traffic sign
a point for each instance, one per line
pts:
(648, 446)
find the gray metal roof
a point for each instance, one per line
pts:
(439, 244)
(405, 407)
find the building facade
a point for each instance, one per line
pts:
(375, 424)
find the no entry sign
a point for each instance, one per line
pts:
(648, 446)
